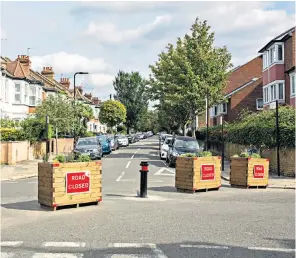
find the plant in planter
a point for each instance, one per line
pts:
(198, 172)
(69, 180)
(249, 170)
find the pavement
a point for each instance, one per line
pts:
(274, 181)
(226, 223)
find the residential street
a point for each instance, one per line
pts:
(226, 223)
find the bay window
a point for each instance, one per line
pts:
(26, 94)
(219, 109)
(275, 54)
(32, 97)
(17, 93)
(274, 91)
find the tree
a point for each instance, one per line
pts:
(64, 114)
(112, 113)
(191, 71)
(148, 121)
(131, 91)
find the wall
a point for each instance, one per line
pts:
(13, 152)
(273, 73)
(287, 156)
(289, 54)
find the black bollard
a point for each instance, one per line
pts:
(144, 179)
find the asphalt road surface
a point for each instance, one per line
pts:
(226, 223)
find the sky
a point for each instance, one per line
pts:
(104, 37)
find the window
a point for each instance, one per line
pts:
(32, 97)
(215, 110)
(279, 52)
(272, 55)
(274, 91)
(265, 95)
(6, 91)
(17, 93)
(26, 94)
(281, 91)
(293, 83)
(259, 104)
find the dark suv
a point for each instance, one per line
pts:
(181, 145)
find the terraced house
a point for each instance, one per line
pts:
(22, 89)
(279, 69)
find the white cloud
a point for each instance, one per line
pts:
(63, 62)
(2, 33)
(101, 79)
(107, 32)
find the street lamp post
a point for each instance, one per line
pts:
(75, 105)
(222, 138)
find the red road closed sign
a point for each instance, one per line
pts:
(258, 171)
(77, 182)
(208, 172)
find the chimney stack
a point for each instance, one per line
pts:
(65, 82)
(96, 100)
(88, 95)
(26, 63)
(48, 73)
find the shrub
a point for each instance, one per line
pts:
(257, 129)
(60, 158)
(11, 134)
(205, 154)
(121, 128)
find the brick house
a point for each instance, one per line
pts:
(243, 91)
(278, 70)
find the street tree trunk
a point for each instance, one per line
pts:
(193, 125)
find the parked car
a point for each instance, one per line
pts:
(165, 148)
(122, 140)
(163, 137)
(181, 145)
(131, 138)
(105, 142)
(140, 136)
(113, 142)
(90, 146)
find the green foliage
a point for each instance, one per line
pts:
(109, 131)
(11, 134)
(244, 155)
(64, 114)
(191, 70)
(60, 158)
(45, 157)
(147, 121)
(247, 155)
(257, 129)
(34, 129)
(83, 158)
(131, 91)
(112, 113)
(205, 154)
(255, 155)
(8, 123)
(188, 155)
(88, 134)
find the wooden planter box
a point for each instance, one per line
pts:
(249, 172)
(198, 173)
(62, 184)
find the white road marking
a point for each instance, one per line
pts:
(205, 246)
(285, 250)
(127, 165)
(63, 244)
(57, 255)
(11, 243)
(133, 156)
(7, 255)
(159, 253)
(127, 180)
(119, 178)
(160, 172)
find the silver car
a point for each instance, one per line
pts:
(89, 146)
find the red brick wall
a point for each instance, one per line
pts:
(290, 52)
(244, 74)
(244, 99)
(276, 72)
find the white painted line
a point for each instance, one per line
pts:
(7, 255)
(160, 172)
(284, 250)
(127, 180)
(63, 244)
(119, 178)
(133, 156)
(131, 245)
(138, 149)
(205, 246)
(159, 253)
(57, 255)
(127, 165)
(11, 243)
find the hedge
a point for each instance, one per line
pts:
(11, 134)
(257, 129)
